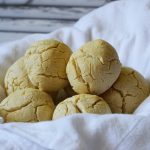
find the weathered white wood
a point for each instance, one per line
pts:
(79, 3)
(45, 20)
(13, 1)
(32, 26)
(7, 37)
(37, 17)
(43, 12)
(90, 3)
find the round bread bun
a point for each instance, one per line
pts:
(93, 68)
(128, 92)
(45, 62)
(27, 105)
(82, 103)
(17, 77)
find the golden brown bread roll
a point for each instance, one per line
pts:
(17, 77)
(27, 105)
(93, 68)
(127, 92)
(45, 62)
(82, 103)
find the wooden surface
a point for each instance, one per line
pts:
(22, 17)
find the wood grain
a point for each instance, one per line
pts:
(23, 17)
(32, 26)
(8, 36)
(43, 13)
(72, 3)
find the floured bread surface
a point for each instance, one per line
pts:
(27, 105)
(93, 68)
(127, 92)
(82, 103)
(45, 62)
(17, 77)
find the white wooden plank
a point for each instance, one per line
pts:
(90, 3)
(29, 22)
(32, 26)
(43, 12)
(79, 3)
(13, 1)
(7, 37)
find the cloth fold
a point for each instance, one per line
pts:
(125, 24)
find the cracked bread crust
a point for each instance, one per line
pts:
(45, 62)
(127, 92)
(17, 77)
(93, 68)
(27, 105)
(82, 103)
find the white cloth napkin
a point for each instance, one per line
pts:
(126, 25)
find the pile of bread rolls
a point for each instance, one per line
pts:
(50, 82)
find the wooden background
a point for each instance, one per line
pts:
(22, 17)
